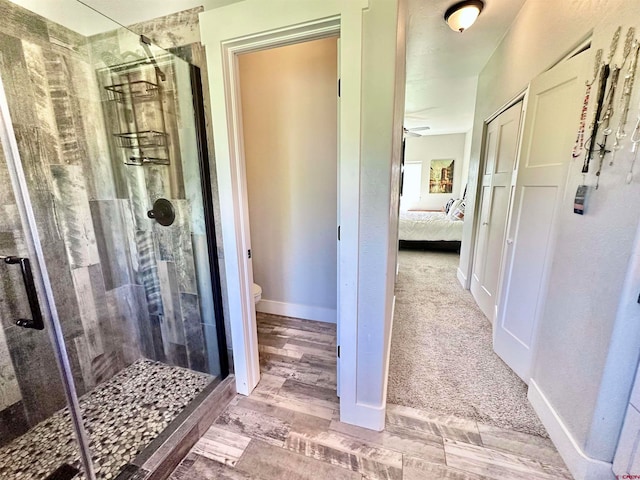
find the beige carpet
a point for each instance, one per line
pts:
(441, 350)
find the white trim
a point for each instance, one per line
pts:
(368, 416)
(252, 25)
(581, 466)
(462, 278)
(385, 387)
(306, 312)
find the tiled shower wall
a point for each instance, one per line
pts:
(125, 287)
(179, 33)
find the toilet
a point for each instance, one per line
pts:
(257, 292)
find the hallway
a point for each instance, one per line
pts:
(442, 357)
(288, 429)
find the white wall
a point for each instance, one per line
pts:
(382, 107)
(372, 70)
(575, 369)
(289, 113)
(436, 147)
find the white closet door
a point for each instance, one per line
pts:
(501, 149)
(551, 119)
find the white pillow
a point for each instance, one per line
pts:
(458, 213)
(453, 208)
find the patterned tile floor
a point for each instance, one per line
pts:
(288, 429)
(122, 416)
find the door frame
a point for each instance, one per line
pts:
(225, 37)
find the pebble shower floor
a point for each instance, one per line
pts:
(121, 417)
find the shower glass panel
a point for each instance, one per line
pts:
(37, 435)
(111, 137)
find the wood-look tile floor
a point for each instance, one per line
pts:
(288, 428)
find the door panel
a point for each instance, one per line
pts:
(553, 106)
(500, 158)
(499, 210)
(537, 205)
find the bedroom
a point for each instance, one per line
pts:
(435, 179)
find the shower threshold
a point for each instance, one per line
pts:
(131, 420)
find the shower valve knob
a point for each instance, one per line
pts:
(162, 212)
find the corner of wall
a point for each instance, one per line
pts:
(581, 466)
(365, 416)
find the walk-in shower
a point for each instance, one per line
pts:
(110, 298)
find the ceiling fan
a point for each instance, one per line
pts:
(414, 132)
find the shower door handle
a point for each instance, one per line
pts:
(29, 285)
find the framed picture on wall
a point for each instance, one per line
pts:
(441, 176)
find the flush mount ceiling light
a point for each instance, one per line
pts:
(462, 15)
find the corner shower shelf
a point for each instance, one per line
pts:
(139, 161)
(145, 138)
(149, 146)
(138, 91)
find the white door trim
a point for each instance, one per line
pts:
(253, 25)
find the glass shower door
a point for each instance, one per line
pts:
(38, 431)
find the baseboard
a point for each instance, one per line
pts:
(365, 416)
(462, 278)
(388, 349)
(295, 310)
(581, 466)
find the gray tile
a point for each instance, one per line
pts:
(221, 445)
(40, 384)
(89, 312)
(193, 332)
(299, 421)
(147, 272)
(113, 246)
(499, 465)
(43, 100)
(314, 348)
(13, 422)
(254, 424)
(67, 109)
(424, 446)
(262, 460)
(350, 453)
(280, 351)
(418, 469)
(521, 444)
(321, 396)
(296, 323)
(196, 467)
(173, 30)
(131, 321)
(22, 23)
(72, 207)
(172, 325)
(453, 429)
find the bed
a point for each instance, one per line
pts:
(429, 230)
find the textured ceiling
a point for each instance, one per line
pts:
(443, 66)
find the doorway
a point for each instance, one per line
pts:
(289, 104)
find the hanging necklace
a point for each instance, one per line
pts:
(635, 140)
(607, 130)
(579, 145)
(602, 88)
(602, 85)
(632, 48)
